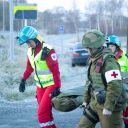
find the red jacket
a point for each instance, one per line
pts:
(52, 64)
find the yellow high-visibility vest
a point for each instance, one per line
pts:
(43, 76)
(123, 62)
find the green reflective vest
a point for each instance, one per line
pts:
(43, 75)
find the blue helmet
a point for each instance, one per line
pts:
(113, 40)
(26, 33)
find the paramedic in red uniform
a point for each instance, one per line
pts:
(42, 60)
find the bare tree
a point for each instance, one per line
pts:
(113, 9)
(75, 18)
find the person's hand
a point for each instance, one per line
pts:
(106, 112)
(84, 105)
(56, 92)
(22, 86)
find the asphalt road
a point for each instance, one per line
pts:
(23, 115)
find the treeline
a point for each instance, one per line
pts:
(110, 16)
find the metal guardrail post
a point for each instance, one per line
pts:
(11, 52)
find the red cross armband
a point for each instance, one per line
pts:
(112, 75)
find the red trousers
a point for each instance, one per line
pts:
(45, 117)
(125, 114)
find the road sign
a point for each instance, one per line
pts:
(25, 11)
(61, 29)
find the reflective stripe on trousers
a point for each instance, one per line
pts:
(46, 124)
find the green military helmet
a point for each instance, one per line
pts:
(93, 39)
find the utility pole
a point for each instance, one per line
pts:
(11, 52)
(127, 32)
(3, 18)
(127, 38)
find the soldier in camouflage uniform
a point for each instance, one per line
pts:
(114, 43)
(104, 97)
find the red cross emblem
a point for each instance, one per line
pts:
(114, 74)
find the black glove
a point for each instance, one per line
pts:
(56, 92)
(22, 86)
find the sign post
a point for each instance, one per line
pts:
(61, 31)
(127, 39)
(11, 52)
(19, 11)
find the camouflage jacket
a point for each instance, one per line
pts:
(114, 100)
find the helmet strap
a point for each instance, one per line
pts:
(39, 38)
(96, 50)
(36, 41)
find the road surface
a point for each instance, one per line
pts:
(23, 115)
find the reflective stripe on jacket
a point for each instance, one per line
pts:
(43, 75)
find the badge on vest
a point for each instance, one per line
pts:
(54, 56)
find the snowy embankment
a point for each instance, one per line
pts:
(11, 72)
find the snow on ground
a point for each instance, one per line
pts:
(19, 114)
(11, 72)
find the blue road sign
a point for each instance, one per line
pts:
(61, 29)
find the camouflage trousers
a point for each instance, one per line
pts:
(114, 121)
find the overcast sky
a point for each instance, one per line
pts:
(67, 4)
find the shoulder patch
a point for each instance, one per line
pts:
(54, 56)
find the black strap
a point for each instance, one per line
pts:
(93, 113)
(37, 75)
(126, 55)
(45, 52)
(89, 117)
